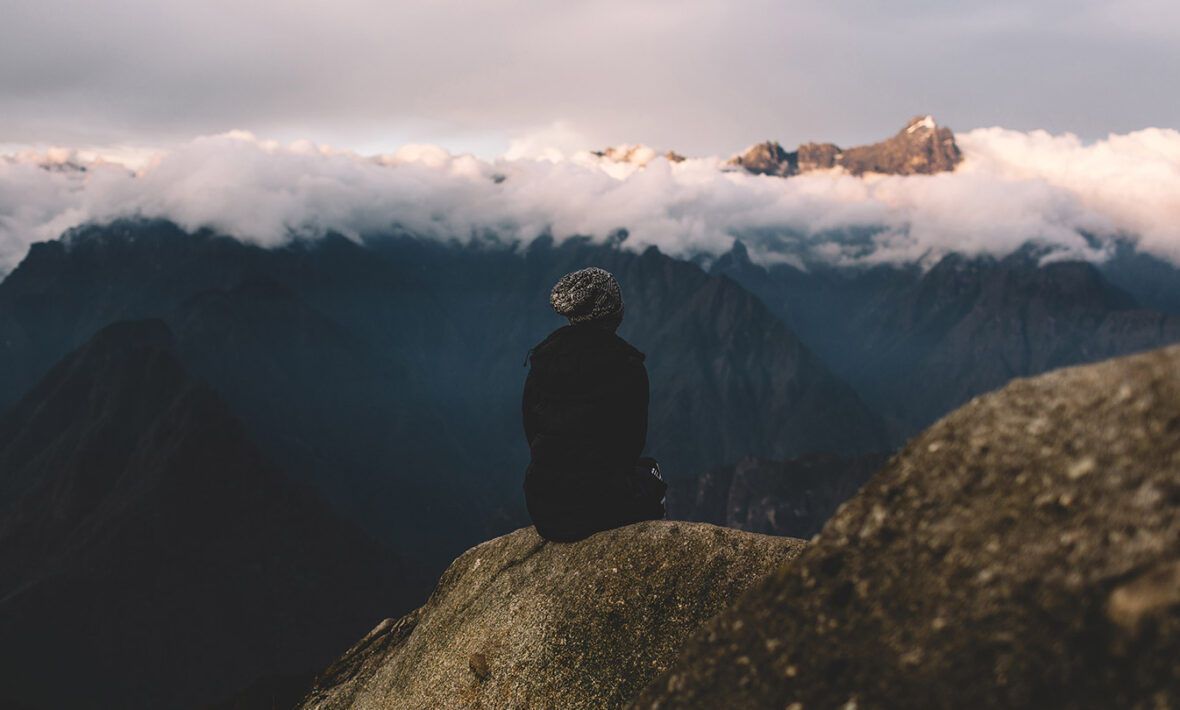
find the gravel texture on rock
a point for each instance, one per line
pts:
(518, 622)
(1023, 552)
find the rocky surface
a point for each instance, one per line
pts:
(817, 156)
(1024, 552)
(921, 147)
(518, 622)
(793, 498)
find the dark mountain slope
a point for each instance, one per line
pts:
(915, 345)
(1151, 281)
(388, 374)
(326, 406)
(64, 291)
(151, 554)
(330, 409)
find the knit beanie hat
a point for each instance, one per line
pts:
(587, 295)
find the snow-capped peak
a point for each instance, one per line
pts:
(919, 123)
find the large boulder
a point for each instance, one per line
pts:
(518, 622)
(1023, 552)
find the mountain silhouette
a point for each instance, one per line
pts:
(152, 554)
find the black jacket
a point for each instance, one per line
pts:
(585, 418)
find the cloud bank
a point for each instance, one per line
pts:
(1012, 188)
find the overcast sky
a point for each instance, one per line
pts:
(703, 77)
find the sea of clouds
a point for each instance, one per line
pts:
(1012, 188)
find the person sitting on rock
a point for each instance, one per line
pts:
(585, 418)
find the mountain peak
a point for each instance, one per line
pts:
(918, 123)
(767, 158)
(921, 147)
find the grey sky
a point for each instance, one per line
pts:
(698, 76)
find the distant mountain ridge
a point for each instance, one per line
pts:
(921, 147)
(916, 344)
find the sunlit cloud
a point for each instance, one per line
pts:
(1071, 197)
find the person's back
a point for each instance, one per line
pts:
(585, 418)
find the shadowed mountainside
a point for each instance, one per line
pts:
(388, 374)
(151, 553)
(917, 344)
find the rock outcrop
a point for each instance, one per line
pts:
(518, 622)
(921, 147)
(1023, 552)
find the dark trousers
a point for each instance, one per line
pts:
(565, 516)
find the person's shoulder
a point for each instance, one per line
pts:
(629, 349)
(557, 344)
(605, 341)
(554, 337)
(585, 338)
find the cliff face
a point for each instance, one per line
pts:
(1021, 553)
(521, 622)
